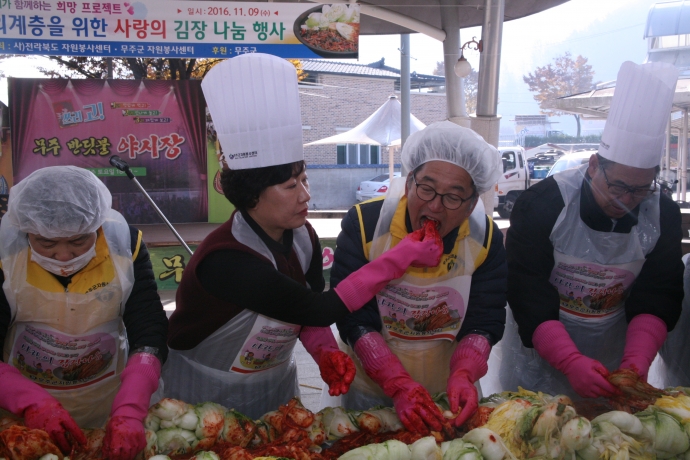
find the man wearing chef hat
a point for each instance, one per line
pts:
(255, 283)
(604, 232)
(430, 330)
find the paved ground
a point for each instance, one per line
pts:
(310, 380)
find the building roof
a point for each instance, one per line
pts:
(667, 31)
(377, 69)
(595, 104)
(668, 18)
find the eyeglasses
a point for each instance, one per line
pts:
(620, 190)
(448, 200)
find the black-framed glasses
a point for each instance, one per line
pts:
(620, 190)
(448, 200)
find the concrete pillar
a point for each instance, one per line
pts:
(455, 91)
(487, 122)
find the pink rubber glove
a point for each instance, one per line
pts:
(587, 376)
(337, 369)
(415, 408)
(646, 334)
(40, 410)
(124, 433)
(361, 286)
(467, 365)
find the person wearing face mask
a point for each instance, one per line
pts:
(606, 234)
(254, 285)
(82, 328)
(431, 329)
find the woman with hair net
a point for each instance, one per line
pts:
(254, 285)
(82, 328)
(432, 329)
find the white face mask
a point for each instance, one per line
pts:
(65, 268)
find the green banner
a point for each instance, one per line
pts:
(169, 263)
(114, 172)
(219, 208)
(148, 113)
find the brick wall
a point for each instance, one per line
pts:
(342, 102)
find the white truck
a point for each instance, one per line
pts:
(514, 180)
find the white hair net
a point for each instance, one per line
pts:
(446, 141)
(58, 202)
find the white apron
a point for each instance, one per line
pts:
(73, 345)
(248, 363)
(422, 312)
(593, 273)
(675, 362)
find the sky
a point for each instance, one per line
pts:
(606, 32)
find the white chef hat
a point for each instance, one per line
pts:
(635, 128)
(254, 102)
(452, 143)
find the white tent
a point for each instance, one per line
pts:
(381, 128)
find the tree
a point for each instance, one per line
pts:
(564, 77)
(471, 85)
(129, 68)
(138, 68)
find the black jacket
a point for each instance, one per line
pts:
(144, 317)
(658, 289)
(486, 306)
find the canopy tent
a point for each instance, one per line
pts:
(381, 128)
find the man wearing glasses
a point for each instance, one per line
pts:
(594, 255)
(432, 329)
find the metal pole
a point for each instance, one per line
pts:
(455, 93)
(490, 58)
(391, 164)
(667, 156)
(124, 167)
(683, 140)
(404, 88)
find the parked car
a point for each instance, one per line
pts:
(565, 148)
(374, 187)
(571, 160)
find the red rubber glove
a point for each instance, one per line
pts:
(124, 434)
(40, 410)
(337, 369)
(587, 376)
(416, 249)
(646, 334)
(415, 408)
(467, 365)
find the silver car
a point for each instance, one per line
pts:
(374, 187)
(571, 160)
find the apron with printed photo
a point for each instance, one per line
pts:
(593, 273)
(422, 311)
(74, 345)
(255, 372)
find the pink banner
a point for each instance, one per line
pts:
(156, 126)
